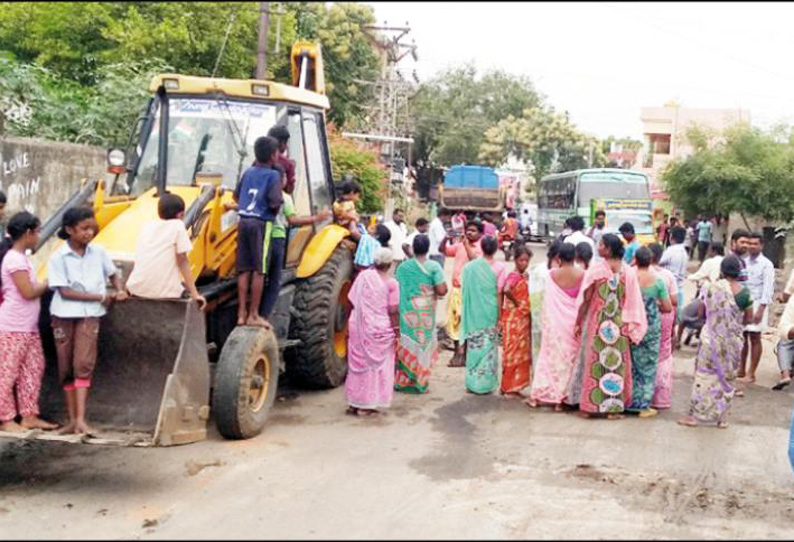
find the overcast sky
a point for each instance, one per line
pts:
(604, 61)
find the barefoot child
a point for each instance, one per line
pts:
(78, 272)
(161, 257)
(21, 354)
(258, 197)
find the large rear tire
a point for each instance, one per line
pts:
(246, 379)
(319, 361)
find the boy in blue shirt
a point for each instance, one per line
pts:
(627, 231)
(258, 197)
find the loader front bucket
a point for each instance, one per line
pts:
(152, 374)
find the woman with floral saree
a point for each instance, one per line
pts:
(610, 302)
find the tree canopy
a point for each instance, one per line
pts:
(747, 171)
(545, 138)
(78, 44)
(453, 110)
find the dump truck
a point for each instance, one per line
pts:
(164, 366)
(472, 188)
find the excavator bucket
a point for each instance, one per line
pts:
(151, 384)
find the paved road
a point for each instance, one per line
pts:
(442, 465)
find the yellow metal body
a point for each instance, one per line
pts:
(320, 249)
(155, 351)
(239, 88)
(317, 70)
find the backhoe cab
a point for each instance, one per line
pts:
(164, 367)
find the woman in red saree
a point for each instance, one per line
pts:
(516, 323)
(610, 301)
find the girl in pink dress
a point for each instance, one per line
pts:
(21, 354)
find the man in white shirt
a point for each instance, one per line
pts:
(576, 223)
(710, 269)
(437, 232)
(399, 231)
(761, 283)
(422, 225)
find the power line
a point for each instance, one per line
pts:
(697, 42)
(225, 39)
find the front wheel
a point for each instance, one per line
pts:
(246, 380)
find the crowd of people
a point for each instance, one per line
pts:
(592, 328)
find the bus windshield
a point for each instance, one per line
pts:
(204, 136)
(612, 185)
(642, 222)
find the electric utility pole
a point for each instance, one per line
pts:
(392, 96)
(261, 50)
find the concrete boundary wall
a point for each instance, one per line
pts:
(39, 175)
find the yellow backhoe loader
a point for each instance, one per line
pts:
(164, 367)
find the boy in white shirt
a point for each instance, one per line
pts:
(161, 256)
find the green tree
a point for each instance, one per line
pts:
(544, 138)
(348, 55)
(35, 102)
(75, 40)
(747, 171)
(349, 157)
(453, 110)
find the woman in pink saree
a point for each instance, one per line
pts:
(610, 302)
(374, 327)
(560, 349)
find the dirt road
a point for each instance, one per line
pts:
(442, 465)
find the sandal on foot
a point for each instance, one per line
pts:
(782, 384)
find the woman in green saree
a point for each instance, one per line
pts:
(421, 284)
(483, 283)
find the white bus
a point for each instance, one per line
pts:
(563, 195)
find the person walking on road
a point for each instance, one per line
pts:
(578, 236)
(436, 233)
(761, 283)
(705, 230)
(560, 348)
(675, 259)
(374, 326)
(726, 305)
(483, 283)
(627, 231)
(611, 309)
(538, 276)
(465, 251)
(663, 386)
(421, 285)
(645, 354)
(399, 231)
(516, 326)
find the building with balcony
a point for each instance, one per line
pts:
(664, 133)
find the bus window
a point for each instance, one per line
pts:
(612, 185)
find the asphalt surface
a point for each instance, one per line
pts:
(442, 465)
